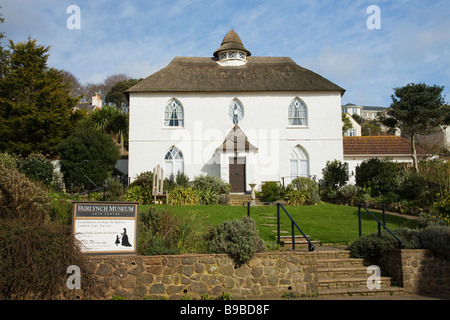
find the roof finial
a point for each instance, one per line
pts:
(231, 41)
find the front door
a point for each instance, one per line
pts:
(237, 174)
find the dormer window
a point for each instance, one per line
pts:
(233, 55)
(232, 52)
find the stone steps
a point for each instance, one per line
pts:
(300, 242)
(238, 199)
(340, 275)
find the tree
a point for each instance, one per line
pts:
(116, 95)
(334, 175)
(370, 129)
(346, 123)
(89, 89)
(109, 120)
(87, 155)
(35, 102)
(417, 109)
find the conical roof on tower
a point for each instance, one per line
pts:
(231, 41)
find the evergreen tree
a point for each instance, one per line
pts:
(35, 102)
(417, 109)
(87, 155)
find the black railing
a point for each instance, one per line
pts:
(293, 223)
(363, 206)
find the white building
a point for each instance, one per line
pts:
(245, 119)
(359, 149)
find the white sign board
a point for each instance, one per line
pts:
(106, 227)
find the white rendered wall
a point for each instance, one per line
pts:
(206, 124)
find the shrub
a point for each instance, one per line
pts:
(22, 199)
(184, 196)
(309, 187)
(237, 238)
(61, 210)
(138, 193)
(182, 179)
(302, 183)
(372, 245)
(296, 197)
(381, 175)
(434, 238)
(442, 208)
(352, 195)
(37, 167)
(414, 186)
(270, 192)
(87, 153)
(34, 262)
(8, 161)
(208, 196)
(114, 190)
(160, 232)
(144, 179)
(334, 175)
(437, 239)
(215, 184)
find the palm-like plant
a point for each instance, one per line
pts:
(109, 120)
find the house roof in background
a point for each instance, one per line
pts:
(378, 145)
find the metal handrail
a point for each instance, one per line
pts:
(293, 223)
(362, 205)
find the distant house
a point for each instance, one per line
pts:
(358, 149)
(367, 115)
(95, 104)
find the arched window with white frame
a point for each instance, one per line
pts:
(298, 113)
(299, 163)
(174, 162)
(174, 114)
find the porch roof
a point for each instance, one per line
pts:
(236, 140)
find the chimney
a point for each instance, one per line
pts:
(97, 101)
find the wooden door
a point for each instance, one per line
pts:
(237, 174)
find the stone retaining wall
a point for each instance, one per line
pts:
(266, 275)
(417, 271)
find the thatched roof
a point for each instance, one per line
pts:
(232, 41)
(191, 74)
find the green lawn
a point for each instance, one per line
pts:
(325, 222)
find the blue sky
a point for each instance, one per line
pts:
(139, 37)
